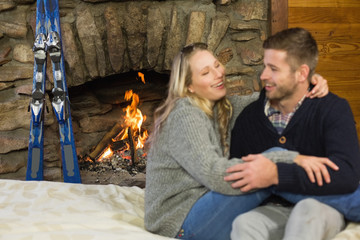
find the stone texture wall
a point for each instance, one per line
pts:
(102, 38)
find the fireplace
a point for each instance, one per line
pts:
(106, 44)
(105, 109)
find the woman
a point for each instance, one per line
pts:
(185, 193)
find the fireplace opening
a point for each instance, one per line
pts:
(113, 118)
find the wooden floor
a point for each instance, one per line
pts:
(335, 24)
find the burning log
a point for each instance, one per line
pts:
(130, 130)
(132, 144)
(105, 141)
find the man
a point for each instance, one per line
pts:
(283, 117)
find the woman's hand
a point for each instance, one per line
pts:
(320, 89)
(315, 168)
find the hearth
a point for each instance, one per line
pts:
(128, 101)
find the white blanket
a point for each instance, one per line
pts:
(64, 211)
(54, 210)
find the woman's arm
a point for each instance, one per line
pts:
(315, 168)
(320, 89)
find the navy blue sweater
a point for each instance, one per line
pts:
(322, 127)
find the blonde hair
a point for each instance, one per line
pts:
(180, 79)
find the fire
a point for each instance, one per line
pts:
(133, 121)
(141, 75)
(107, 153)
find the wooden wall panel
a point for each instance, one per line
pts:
(279, 15)
(329, 31)
(324, 3)
(323, 15)
(335, 24)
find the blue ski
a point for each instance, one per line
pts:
(37, 102)
(60, 100)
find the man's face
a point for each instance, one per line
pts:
(277, 77)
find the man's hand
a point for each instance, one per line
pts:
(256, 172)
(315, 168)
(320, 89)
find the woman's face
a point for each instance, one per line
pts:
(208, 76)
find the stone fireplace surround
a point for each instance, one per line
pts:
(105, 44)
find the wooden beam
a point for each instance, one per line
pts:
(279, 15)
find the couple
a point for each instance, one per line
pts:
(193, 191)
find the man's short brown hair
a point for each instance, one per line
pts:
(300, 46)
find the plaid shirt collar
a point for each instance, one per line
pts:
(279, 120)
(269, 110)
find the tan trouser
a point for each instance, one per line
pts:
(308, 220)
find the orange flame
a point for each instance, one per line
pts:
(134, 118)
(141, 75)
(106, 154)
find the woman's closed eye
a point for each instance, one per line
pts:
(205, 71)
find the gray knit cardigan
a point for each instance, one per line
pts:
(185, 162)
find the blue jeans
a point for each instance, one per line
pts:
(212, 215)
(347, 204)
